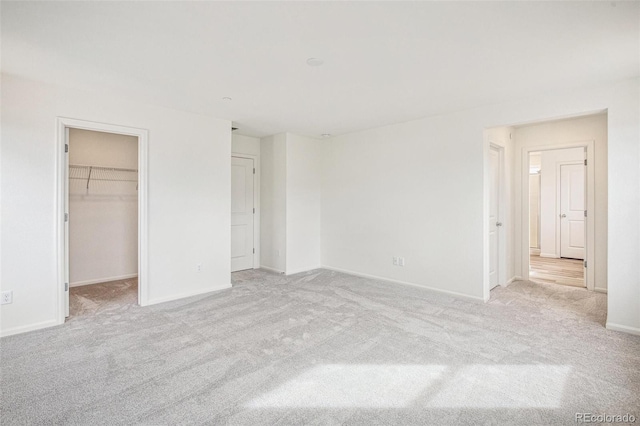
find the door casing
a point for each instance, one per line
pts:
(589, 146)
(64, 123)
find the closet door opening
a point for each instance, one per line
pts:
(102, 217)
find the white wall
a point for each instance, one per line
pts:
(188, 199)
(549, 210)
(273, 193)
(103, 231)
(291, 197)
(413, 190)
(555, 133)
(416, 190)
(241, 144)
(304, 158)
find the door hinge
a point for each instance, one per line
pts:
(585, 213)
(585, 161)
(66, 217)
(254, 170)
(66, 147)
(254, 210)
(585, 263)
(254, 251)
(66, 286)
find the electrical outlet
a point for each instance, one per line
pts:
(395, 261)
(6, 298)
(199, 267)
(401, 261)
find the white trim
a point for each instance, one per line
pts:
(102, 280)
(511, 280)
(623, 328)
(62, 124)
(424, 287)
(30, 327)
(270, 269)
(185, 295)
(534, 251)
(600, 290)
(256, 204)
(590, 199)
(299, 271)
(549, 255)
(559, 165)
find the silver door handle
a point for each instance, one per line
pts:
(563, 215)
(498, 223)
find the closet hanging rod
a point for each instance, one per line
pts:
(102, 173)
(115, 169)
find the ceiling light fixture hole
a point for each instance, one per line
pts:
(314, 62)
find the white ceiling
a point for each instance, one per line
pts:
(384, 62)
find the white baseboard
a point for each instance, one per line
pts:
(600, 290)
(623, 328)
(534, 251)
(549, 255)
(511, 280)
(27, 328)
(268, 268)
(424, 287)
(184, 295)
(299, 271)
(102, 280)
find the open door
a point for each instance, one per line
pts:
(494, 216)
(66, 222)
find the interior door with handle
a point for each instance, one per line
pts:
(494, 219)
(572, 208)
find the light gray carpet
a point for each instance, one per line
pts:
(327, 348)
(96, 298)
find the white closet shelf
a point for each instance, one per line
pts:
(101, 173)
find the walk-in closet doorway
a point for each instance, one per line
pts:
(103, 195)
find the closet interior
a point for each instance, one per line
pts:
(103, 222)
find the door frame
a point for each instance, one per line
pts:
(62, 124)
(559, 205)
(590, 227)
(502, 210)
(502, 241)
(256, 205)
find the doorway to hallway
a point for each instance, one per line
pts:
(557, 216)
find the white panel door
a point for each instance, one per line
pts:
(66, 224)
(534, 211)
(494, 219)
(572, 202)
(242, 211)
